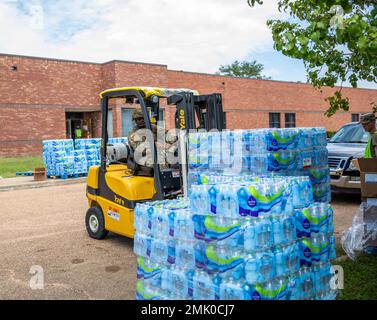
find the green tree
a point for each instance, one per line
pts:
(244, 69)
(336, 39)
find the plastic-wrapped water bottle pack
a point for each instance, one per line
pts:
(241, 240)
(157, 282)
(289, 152)
(58, 155)
(69, 157)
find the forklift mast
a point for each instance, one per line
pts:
(209, 111)
(198, 111)
(193, 112)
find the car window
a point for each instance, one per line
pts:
(350, 134)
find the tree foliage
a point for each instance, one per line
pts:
(336, 39)
(244, 69)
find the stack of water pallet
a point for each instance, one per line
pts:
(72, 158)
(257, 223)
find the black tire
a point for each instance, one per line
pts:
(92, 215)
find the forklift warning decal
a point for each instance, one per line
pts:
(307, 162)
(113, 213)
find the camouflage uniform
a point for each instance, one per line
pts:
(138, 137)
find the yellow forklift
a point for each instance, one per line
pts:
(112, 188)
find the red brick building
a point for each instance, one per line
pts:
(46, 98)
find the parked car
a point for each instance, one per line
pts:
(348, 143)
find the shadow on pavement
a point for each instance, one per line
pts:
(121, 240)
(345, 198)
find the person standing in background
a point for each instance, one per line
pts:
(78, 132)
(368, 121)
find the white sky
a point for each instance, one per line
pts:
(194, 35)
(189, 35)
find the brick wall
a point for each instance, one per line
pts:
(49, 82)
(24, 127)
(248, 101)
(34, 99)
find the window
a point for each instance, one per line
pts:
(355, 117)
(350, 133)
(127, 122)
(274, 120)
(290, 120)
(161, 118)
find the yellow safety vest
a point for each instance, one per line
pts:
(368, 150)
(78, 133)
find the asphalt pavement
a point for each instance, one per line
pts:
(43, 229)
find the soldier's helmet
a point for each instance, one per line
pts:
(137, 114)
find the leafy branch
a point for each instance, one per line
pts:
(336, 40)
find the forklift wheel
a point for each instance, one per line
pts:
(95, 223)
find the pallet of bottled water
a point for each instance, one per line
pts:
(244, 237)
(285, 152)
(73, 158)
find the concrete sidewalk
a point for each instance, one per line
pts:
(20, 183)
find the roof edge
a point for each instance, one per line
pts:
(280, 81)
(79, 61)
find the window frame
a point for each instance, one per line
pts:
(289, 122)
(357, 115)
(272, 121)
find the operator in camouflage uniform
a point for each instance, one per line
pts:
(143, 155)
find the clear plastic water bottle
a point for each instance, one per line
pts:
(332, 248)
(215, 150)
(147, 269)
(294, 287)
(316, 214)
(306, 284)
(231, 289)
(212, 195)
(179, 283)
(226, 149)
(142, 245)
(185, 254)
(322, 277)
(227, 201)
(287, 260)
(267, 265)
(183, 225)
(250, 236)
(284, 229)
(293, 260)
(278, 288)
(203, 286)
(160, 250)
(146, 291)
(321, 248)
(330, 220)
(252, 271)
(163, 222)
(303, 223)
(199, 199)
(280, 260)
(166, 281)
(264, 234)
(141, 218)
(305, 246)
